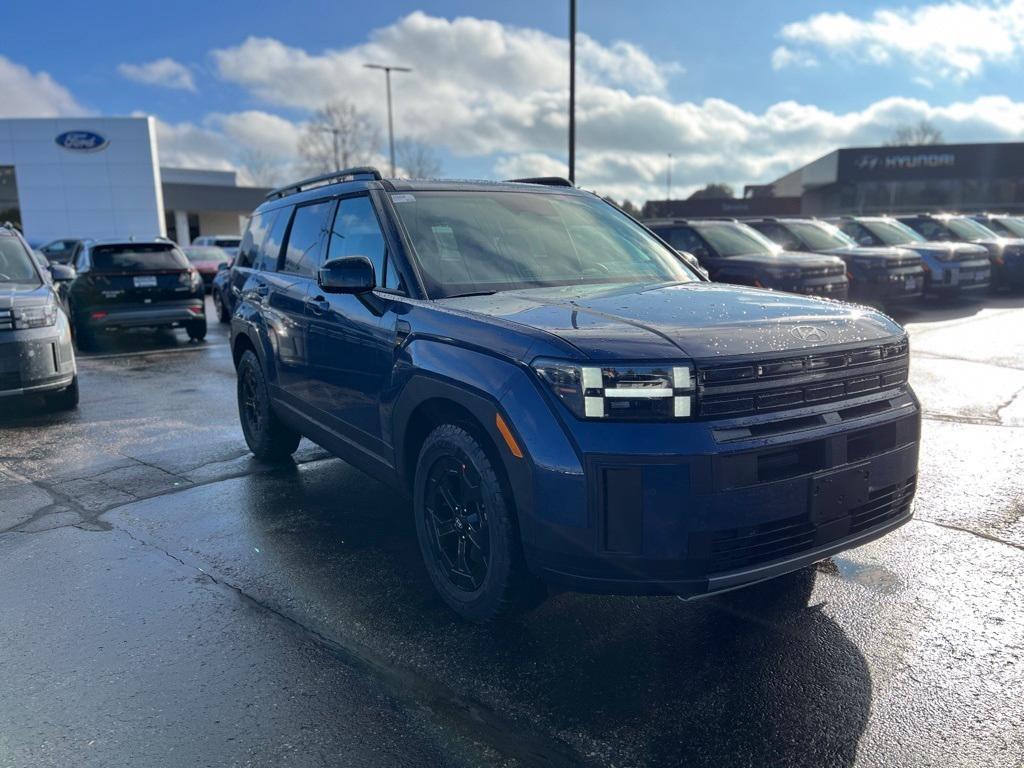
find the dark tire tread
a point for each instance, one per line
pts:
(275, 442)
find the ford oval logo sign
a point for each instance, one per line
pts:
(82, 141)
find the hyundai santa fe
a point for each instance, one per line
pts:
(566, 402)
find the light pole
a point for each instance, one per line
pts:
(572, 91)
(391, 125)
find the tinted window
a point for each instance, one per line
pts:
(1013, 226)
(468, 242)
(356, 232)
(736, 239)
(15, 262)
(254, 236)
(684, 239)
(931, 230)
(893, 232)
(270, 250)
(137, 257)
(819, 236)
(225, 242)
(309, 224)
(969, 229)
(778, 234)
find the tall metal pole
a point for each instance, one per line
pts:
(572, 91)
(391, 122)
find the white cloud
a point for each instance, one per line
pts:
(783, 57)
(28, 94)
(953, 40)
(165, 72)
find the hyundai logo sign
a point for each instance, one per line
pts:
(904, 161)
(82, 141)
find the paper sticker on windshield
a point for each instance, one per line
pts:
(403, 198)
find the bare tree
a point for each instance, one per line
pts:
(922, 132)
(713, 191)
(261, 169)
(339, 136)
(418, 159)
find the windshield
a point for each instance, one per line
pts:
(736, 240)
(1013, 226)
(205, 253)
(481, 242)
(138, 257)
(893, 232)
(15, 262)
(969, 229)
(819, 236)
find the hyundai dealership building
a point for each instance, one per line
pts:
(101, 177)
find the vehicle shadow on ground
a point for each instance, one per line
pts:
(641, 681)
(953, 308)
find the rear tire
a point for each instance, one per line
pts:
(196, 330)
(222, 310)
(467, 530)
(269, 439)
(65, 399)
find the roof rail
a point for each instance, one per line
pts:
(346, 174)
(547, 181)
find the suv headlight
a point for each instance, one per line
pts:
(621, 391)
(35, 317)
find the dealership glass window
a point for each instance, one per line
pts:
(305, 238)
(10, 207)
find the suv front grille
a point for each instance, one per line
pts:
(6, 319)
(732, 389)
(735, 548)
(838, 269)
(898, 263)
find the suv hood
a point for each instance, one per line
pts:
(962, 250)
(873, 252)
(695, 320)
(787, 259)
(22, 294)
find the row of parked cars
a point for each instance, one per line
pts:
(70, 291)
(878, 260)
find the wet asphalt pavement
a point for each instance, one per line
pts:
(165, 600)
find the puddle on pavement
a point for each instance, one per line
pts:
(866, 574)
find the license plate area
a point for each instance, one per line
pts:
(144, 281)
(835, 493)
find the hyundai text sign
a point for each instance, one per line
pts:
(82, 141)
(943, 161)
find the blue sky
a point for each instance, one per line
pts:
(738, 91)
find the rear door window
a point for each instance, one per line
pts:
(270, 249)
(253, 238)
(138, 257)
(306, 237)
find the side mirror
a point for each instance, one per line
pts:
(692, 262)
(223, 266)
(62, 273)
(351, 274)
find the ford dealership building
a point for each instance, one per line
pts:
(101, 177)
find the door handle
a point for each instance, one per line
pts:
(318, 305)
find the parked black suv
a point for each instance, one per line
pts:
(134, 284)
(732, 252)
(877, 275)
(949, 267)
(566, 401)
(1006, 254)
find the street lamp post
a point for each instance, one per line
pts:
(391, 125)
(572, 91)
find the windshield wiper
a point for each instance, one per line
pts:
(469, 293)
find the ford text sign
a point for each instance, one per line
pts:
(82, 141)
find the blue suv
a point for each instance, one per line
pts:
(566, 402)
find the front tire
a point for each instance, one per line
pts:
(269, 439)
(196, 330)
(467, 530)
(222, 310)
(65, 399)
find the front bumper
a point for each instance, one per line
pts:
(701, 512)
(165, 314)
(889, 286)
(36, 359)
(952, 277)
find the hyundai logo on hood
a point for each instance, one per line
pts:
(809, 333)
(82, 141)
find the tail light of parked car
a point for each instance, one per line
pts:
(621, 392)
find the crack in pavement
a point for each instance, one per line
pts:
(959, 359)
(472, 719)
(969, 531)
